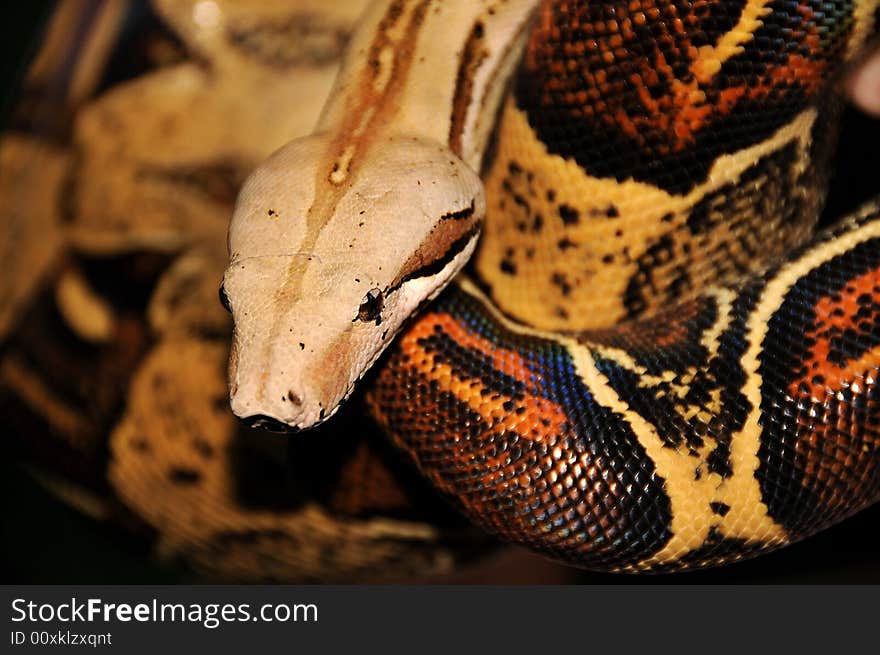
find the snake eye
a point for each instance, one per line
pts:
(224, 299)
(371, 307)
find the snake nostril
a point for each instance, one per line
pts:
(268, 423)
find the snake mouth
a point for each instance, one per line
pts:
(269, 424)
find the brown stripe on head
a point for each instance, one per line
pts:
(447, 240)
(471, 58)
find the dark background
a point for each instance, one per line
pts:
(45, 541)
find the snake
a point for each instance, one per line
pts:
(136, 125)
(569, 249)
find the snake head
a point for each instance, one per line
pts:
(331, 250)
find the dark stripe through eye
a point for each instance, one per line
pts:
(437, 265)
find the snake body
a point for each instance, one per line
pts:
(651, 362)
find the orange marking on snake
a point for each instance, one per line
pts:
(507, 361)
(489, 403)
(838, 311)
(691, 105)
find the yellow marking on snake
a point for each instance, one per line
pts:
(690, 498)
(709, 340)
(863, 27)
(745, 444)
(639, 225)
(711, 58)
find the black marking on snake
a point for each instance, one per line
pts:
(658, 254)
(788, 487)
(461, 214)
(561, 280)
(669, 415)
(850, 344)
(518, 185)
(746, 207)
(720, 205)
(569, 215)
(469, 365)
(718, 373)
(184, 476)
(677, 356)
(203, 447)
(649, 149)
(517, 198)
(141, 445)
(611, 211)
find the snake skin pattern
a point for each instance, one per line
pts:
(653, 364)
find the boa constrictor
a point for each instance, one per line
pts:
(651, 362)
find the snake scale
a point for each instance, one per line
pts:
(568, 247)
(650, 363)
